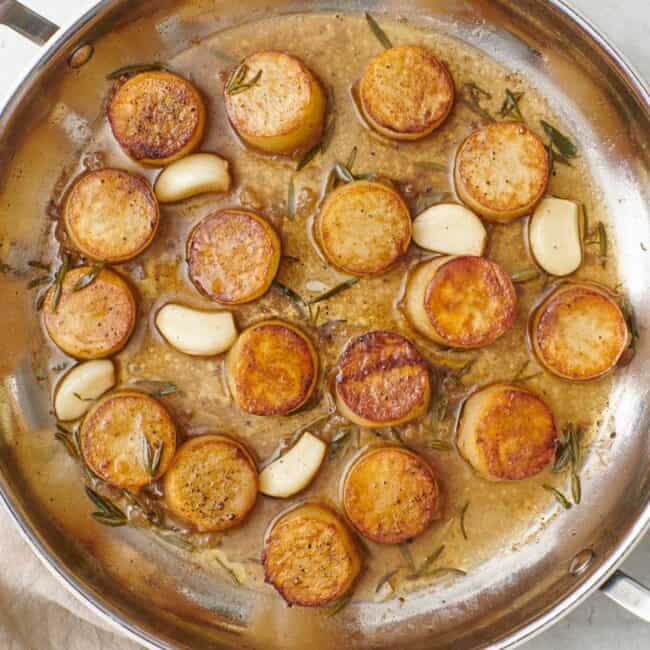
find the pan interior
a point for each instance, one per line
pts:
(519, 544)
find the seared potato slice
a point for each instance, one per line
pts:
(233, 256)
(157, 117)
(111, 215)
(93, 322)
(113, 439)
(390, 495)
(283, 110)
(506, 433)
(461, 302)
(310, 556)
(364, 227)
(272, 369)
(212, 482)
(406, 92)
(579, 332)
(502, 171)
(381, 380)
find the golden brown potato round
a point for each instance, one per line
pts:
(211, 482)
(111, 215)
(310, 556)
(461, 302)
(283, 110)
(390, 495)
(112, 439)
(364, 227)
(233, 256)
(501, 171)
(406, 92)
(157, 117)
(272, 368)
(506, 432)
(381, 380)
(579, 332)
(93, 322)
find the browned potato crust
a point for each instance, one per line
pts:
(506, 432)
(502, 170)
(364, 227)
(406, 92)
(462, 302)
(211, 482)
(157, 117)
(382, 380)
(272, 368)
(112, 438)
(579, 332)
(233, 256)
(310, 556)
(390, 495)
(283, 111)
(94, 322)
(111, 215)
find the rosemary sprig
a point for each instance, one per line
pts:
(559, 497)
(137, 69)
(428, 561)
(107, 512)
(510, 107)
(58, 281)
(237, 81)
(330, 293)
(309, 156)
(294, 297)
(576, 487)
(151, 456)
(525, 276)
(338, 605)
(559, 142)
(602, 242)
(291, 200)
(157, 388)
(70, 440)
(463, 512)
(38, 282)
(433, 166)
(472, 95)
(379, 33)
(88, 278)
(406, 554)
(385, 579)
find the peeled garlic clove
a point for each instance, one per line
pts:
(196, 332)
(555, 237)
(81, 386)
(450, 229)
(194, 174)
(294, 471)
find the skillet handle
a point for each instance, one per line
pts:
(628, 593)
(18, 17)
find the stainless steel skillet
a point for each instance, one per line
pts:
(507, 602)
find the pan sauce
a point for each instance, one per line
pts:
(501, 516)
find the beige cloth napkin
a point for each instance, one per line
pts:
(37, 612)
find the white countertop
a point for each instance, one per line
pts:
(597, 624)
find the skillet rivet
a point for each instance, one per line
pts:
(581, 562)
(81, 55)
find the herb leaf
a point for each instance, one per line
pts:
(510, 106)
(342, 172)
(137, 68)
(37, 264)
(157, 388)
(559, 497)
(385, 579)
(406, 554)
(151, 457)
(296, 298)
(88, 278)
(472, 95)
(333, 291)
(559, 141)
(237, 81)
(107, 512)
(309, 156)
(379, 33)
(428, 561)
(291, 200)
(338, 605)
(525, 276)
(439, 445)
(463, 512)
(339, 441)
(58, 281)
(37, 282)
(433, 166)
